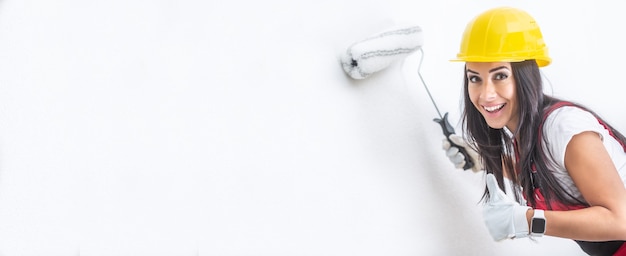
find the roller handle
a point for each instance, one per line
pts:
(447, 131)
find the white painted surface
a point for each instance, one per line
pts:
(206, 128)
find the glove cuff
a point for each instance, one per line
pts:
(520, 222)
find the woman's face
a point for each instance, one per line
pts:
(491, 89)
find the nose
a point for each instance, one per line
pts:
(489, 90)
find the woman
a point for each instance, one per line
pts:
(566, 166)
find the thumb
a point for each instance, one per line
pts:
(456, 139)
(495, 193)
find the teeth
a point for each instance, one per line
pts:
(494, 108)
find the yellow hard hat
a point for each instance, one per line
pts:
(503, 34)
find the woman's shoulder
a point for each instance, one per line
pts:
(567, 117)
(561, 125)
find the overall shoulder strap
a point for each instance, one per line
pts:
(554, 107)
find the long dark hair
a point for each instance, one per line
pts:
(496, 146)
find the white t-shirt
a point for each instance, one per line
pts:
(559, 128)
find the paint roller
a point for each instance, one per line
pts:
(375, 53)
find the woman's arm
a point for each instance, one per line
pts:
(595, 175)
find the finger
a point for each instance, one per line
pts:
(452, 151)
(457, 159)
(460, 165)
(492, 186)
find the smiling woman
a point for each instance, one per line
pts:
(560, 158)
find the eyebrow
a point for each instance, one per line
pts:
(490, 71)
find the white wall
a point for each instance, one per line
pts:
(206, 128)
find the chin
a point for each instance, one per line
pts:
(495, 125)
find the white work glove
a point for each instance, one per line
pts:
(455, 155)
(504, 217)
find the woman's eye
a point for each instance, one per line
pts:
(473, 79)
(501, 76)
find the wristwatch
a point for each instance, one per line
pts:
(537, 224)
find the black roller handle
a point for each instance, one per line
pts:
(449, 130)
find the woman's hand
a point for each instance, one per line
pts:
(453, 153)
(504, 217)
